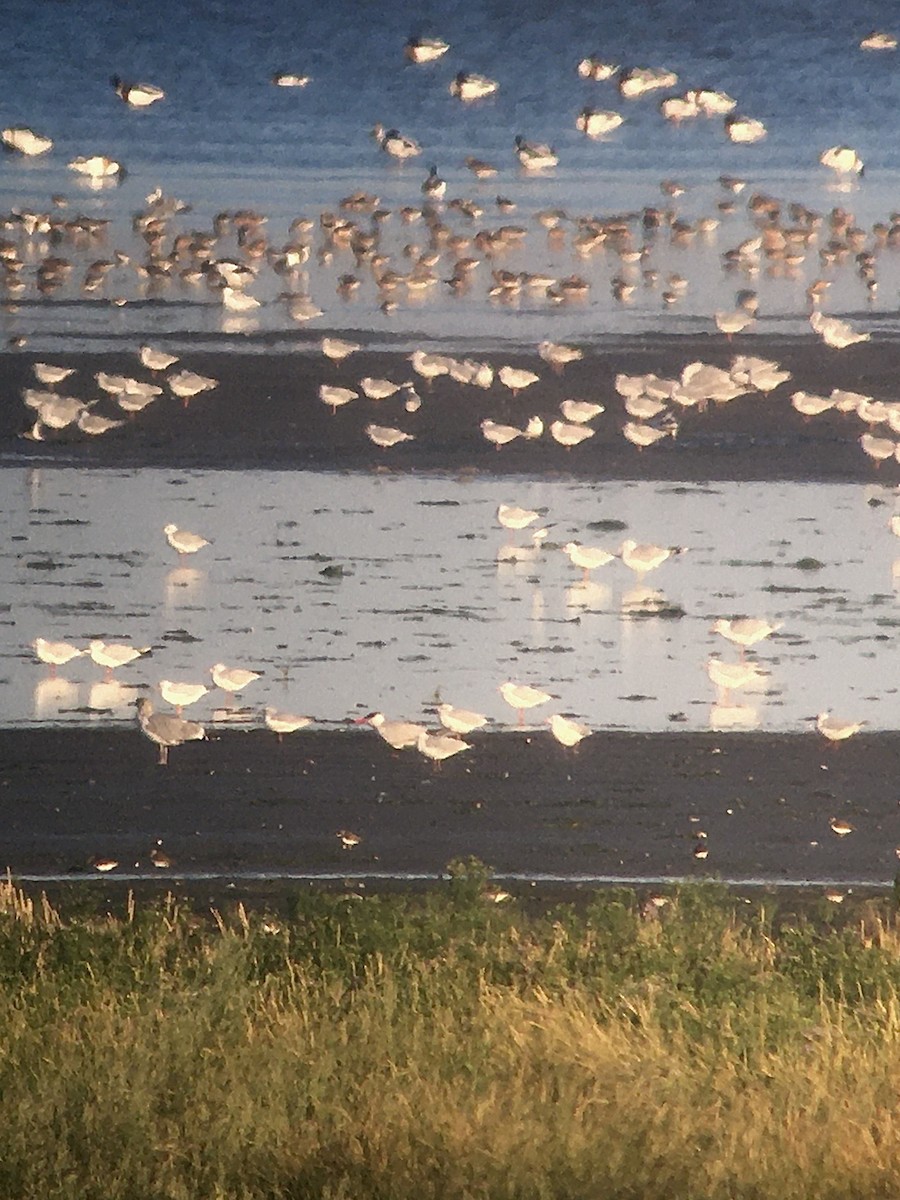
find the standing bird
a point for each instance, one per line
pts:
(399, 735)
(232, 679)
(114, 654)
(55, 654)
(166, 731)
(567, 733)
(182, 540)
(438, 746)
(283, 722)
(460, 720)
(587, 557)
(843, 160)
(521, 696)
(745, 631)
(835, 729)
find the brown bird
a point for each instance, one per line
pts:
(166, 730)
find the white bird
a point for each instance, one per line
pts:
(379, 389)
(559, 355)
(55, 654)
(424, 49)
(290, 79)
(746, 631)
(399, 735)
(25, 141)
(637, 81)
(283, 722)
(336, 397)
(460, 720)
(567, 732)
(643, 557)
(521, 696)
(511, 516)
(96, 166)
(237, 301)
(744, 130)
(836, 333)
(877, 448)
(337, 350)
(569, 435)
(878, 41)
(595, 123)
(156, 360)
(843, 160)
(187, 384)
(579, 412)
(834, 728)
(49, 373)
(535, 156)
(468, 86)
(387, 436)
(114, 654)
(183, 540)
(808, 404)
(232, 679)
(138, 95)
(498, 434)
(393, 142)
(641, 435)
(94, 425)
(166, 730)
(516, 378)
(588, 558)
(180, 694)
(596, 69)
(439, 746)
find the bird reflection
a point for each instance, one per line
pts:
(591, 596)
(642, 601)
(109, 696)
(51, 695)
(733, 716)
(232, 324)
(182, 585)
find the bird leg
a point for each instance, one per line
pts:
(163, 755)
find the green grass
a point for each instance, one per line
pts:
(442, 1046)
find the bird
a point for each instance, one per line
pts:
(643, 557)
(744, 129)
(158, 856)
(387, 436)
(114, 654)
(642, 435)
(727, 675)
(559, 355)
(425, 49)
(439, 746)
(587, 557)
(834, 728)
(55, 654)
(49, 373)
(378, 389)
(511, 516)
(841, 827)
(156, 360)
(843, 160)
(567, 732)
(521, 696)
(516, 378)
(138, 95)
(745, 631)
(187, 384)
(290, 79)
(284, 722)
(95, 425)
(535, 156)
(348, 838)
(183, 540)
(595, 123)
(237, 301)
(836, 333)
(336, 397)
(180, 694)
(579, 412)
(468, 86)
(569, 435)
(96, 166)
(394, 143)
(434, 187)
(25, 141)
(166, 730)
(460, 720)
(498, 434)
(399, 735)
(337, 350)
(878, 41)
(232, 679)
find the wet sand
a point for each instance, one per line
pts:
(623, 805)
(266, 413)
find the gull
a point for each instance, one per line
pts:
(759, 373)
(283, 722)
(425, 50)
(499, 434)
(58, 412)
(134, 403)
(289, 79)
(877, 448)
(439, 746)
(232, 679)
(55, 654)
(745, 631)
(596, 69)
(558, 355)
(187, 384)
(379, 389)
(535, 156)
(734, 321)
(387, 436)
(94, 425)
(727, 676)
(393, 142)
(636, 81)
(399, 735)
(138, 95)
(338, 350)
(878, 41)
(180, 694)
(50, 374)
(843, 160)
(460, 720)
(238, 301)
(25, 141)
(579, 412)
(643, 557)
(156, 360)
(96, 166)
(808, 404)
(834, 728)
(429, 366)
(183, 540)
(567, 732)
(680, 108)
(744, 130)
(569, 435)
(644, 435)
(595, 123)
(521, 696)
(114, 654)
(469, 86)
(336, 396)
(836, 333)
(511, 516)
(587, 557)
(165, 730)
(516, 378)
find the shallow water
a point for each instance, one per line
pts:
(225, 138)
(356, 592)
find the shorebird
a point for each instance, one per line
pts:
(55, 654)
(735, 321)
(835, 729)
(579, 412)
(559, 355)
(183, 540)
(158, 856)
(165, 730)
(808, 404)
(836, 333)
(745, 631)
(744, 129)
(878, 41)
(180, 694)
(337, 350)
(499, 434)
(438, 746)
(399, 735)
(596, 123)
(567, 732)
(460, 720)
(114, 654)
(535, 156)
(596, 69)
(232, 679)
(877, 448)
(237, 301)
(289, 79)
(378, 389)
(643, 557)
(843, 160)
(468, 86)
(156, 360)
(480, 169)
(187, 384)
(25, 141)
(424, 49)
(641, 435)
(588, 558)
(511, 516)
(521, 696)
(96, 166)
(336, 397)
(50, 374)
(283, 722)
(94, 425)
(138, 95)
(393, 142)
(841, 827)
(387, 436)
(517, 378)
(569, 435)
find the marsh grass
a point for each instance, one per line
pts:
(441, 1047)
